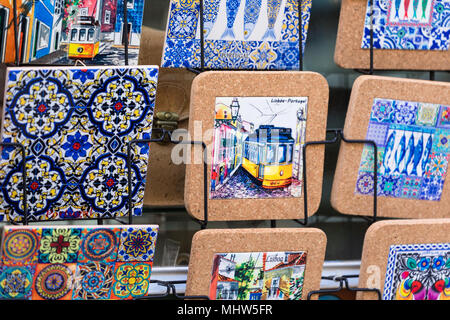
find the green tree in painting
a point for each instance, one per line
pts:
(244, 273)
(70, 12)
(296, 288)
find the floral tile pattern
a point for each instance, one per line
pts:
(418, 272)
(413, 142)
(75, 124)
(238, 34)
(408, 25)
(76, 263)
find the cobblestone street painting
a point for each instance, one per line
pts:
(258, 276)
(257, 147)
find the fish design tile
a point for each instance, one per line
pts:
(416, 148)
(238, 34)
(407, 25)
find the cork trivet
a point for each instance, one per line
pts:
(206, 243)
(165, 180)
(365, 89)
(349, 54)
(209, 85)
(381, 235)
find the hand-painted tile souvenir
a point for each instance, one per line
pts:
(408, 24)
(413, 150)
(407, 35)
(62, 31)
(258, 276)
(407, 260)
(75, 262)
(288, 269)
(75, 124)
(255, 128)
(257, 150)
(407, 120)
(238, 34)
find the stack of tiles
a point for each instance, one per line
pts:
(76, 262)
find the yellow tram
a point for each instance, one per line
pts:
(84, 39)
(268, 156)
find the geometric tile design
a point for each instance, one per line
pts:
(418, 272)
(264, 36)
(75, 123)
(408, 25)
(75, 263)
(413, 143)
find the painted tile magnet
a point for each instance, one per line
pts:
(62, 31)
(238, 34)
(75, 124)
(408, 25)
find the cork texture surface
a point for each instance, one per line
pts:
(209, 85)
(206, 243)
(382, 235)
(343, 196)
(349, 54)
(165, 179)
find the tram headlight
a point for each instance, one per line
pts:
(80, 50)
(281, 173)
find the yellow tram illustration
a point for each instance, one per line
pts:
(268, 156)
(84, 38)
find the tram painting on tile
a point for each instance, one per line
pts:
(257, 147)
(418, 272)
(62, 31)
(75, 124)
(408, 25)
(258, 276)
(413, 142)
(76, 262)
(238, 34)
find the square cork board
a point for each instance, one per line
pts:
(409, 121)
(216, 256)
(406, 259)
(350, 54)
(295, 104)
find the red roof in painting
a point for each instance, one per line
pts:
(222, 278)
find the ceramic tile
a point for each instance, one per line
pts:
(76, 262)
(76, 124)
(418, 272)
(408, 24)
(63, 31)
(413, 150)
(238, 34)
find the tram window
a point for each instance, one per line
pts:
(282, 148)
(82, 35)
(289, 153)
(90, 36)
(271, 154)
(73, 35)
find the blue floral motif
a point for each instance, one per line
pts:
(7, 149)
(431, 188)
(405, 112)
(76, 146)
(382, 110)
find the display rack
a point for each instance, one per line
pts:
(343, 284)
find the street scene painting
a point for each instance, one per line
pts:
(257, 147)
(63, 31)
(258, 276)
